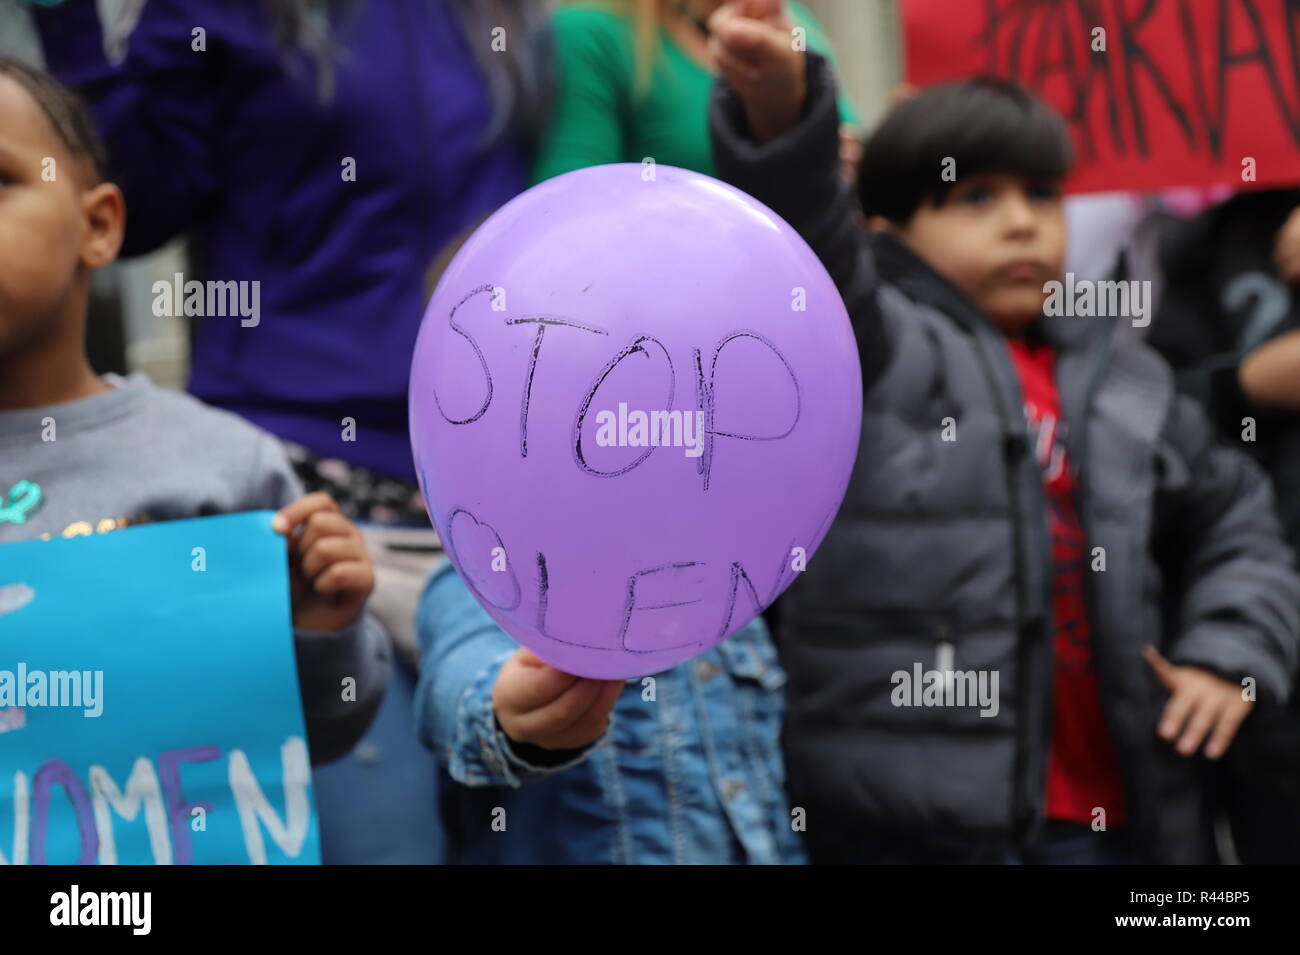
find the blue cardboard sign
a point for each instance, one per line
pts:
(149, 702)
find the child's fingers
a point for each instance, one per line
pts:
(526, 657)
(591, 724)
(295, 512)
(745, 40)
(602, 698)
(548, 721)
(323, 524)
(721, 17)
(613, 689)
(1286, 240)
(1203, 717)
(526, 687)
(1177, 710)
(1166, 671)
(736, 70)
(761, 9)
(1225, 730)
(850, 144)
(346, 577)
(1289, 266)
(331, 550)
(570, 706)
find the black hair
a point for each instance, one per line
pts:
(66, 112)
(984, 124)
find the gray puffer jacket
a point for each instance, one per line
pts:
(940, 554)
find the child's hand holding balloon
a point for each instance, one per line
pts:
(536, 703)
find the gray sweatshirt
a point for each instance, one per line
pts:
(139, 453)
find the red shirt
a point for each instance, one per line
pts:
(1082, 771)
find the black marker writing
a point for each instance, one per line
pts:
(487, 375)
(631, 606)
(707, 391)
(469, 580)
(542, 321)
(637, 346)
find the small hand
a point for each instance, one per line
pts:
(1200, 703)
(538, 704)
(752, 43)
(1286, 249)
(850, 152)
(330, 573)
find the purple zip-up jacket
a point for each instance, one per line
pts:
(227, 144)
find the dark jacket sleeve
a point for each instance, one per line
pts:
(797, 175)
(338, 713)
(1239, 606)
(1190, 331)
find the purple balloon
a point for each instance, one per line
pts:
(635, 405)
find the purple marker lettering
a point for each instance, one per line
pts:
(178, 807)
(57, 772)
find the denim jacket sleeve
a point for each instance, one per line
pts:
(462, 651)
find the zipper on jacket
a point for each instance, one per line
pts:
(945, 657)
(1015, 447)
(1078, 455)
(1099, 353)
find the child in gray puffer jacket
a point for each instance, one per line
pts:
(1049, 594)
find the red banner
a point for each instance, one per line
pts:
(1157, 92)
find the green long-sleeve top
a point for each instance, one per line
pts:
(599, 116)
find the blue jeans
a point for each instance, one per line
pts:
(379, 804)
(1073, 843)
